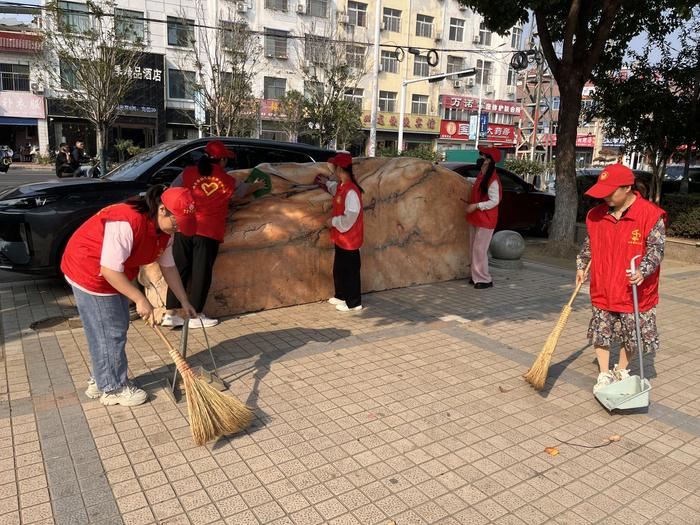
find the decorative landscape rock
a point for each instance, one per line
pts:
(277, 250)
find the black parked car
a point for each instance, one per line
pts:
(522, 207)
(36, 220)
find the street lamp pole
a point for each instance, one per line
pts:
(478, 110)
(372, 147)
(434, 78)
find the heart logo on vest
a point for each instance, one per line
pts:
(209, 187)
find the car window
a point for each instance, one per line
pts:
(509, 182)
(250, 156)
(169, 172)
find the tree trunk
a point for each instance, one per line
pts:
(563, 229)
(102, 146)
(685, 181)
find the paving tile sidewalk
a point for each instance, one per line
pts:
(412, 410)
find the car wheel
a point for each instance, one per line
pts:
(541, 228)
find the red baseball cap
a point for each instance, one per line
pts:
(218, 150)
(610, 179)
(180, 203)
(494, 153)
(342, 160)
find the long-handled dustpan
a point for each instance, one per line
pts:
(632, 392)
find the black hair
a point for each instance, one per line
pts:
(352, 177)
(205, 165)
(484, 184)
(641, 187)
(149, 203)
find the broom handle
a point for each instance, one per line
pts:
(180, 362)
(579, 285)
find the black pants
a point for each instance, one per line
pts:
(194, 258)
(346, 276)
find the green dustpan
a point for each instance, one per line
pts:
(257, 175)
(632, 392)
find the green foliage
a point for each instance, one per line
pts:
(683, 215)
(525, 168)
(424, 151)
(128, 147)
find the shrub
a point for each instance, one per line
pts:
(525, 168)
(683, 214)
(423, 151)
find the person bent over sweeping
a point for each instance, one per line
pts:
(101, 260)
(624, 226)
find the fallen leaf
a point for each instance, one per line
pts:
(615, 438)
(552, 451)
(504, 390)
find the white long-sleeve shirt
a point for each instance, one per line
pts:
(344, 222)
(493, 195)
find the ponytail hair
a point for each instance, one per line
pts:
(352, 177)
(149, 203)
(641, 187)
(205, 165)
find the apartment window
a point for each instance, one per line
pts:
(556, 101)
(129, 25)
(313, 91)
(274, 88)
(516, 37)
(73, 17)
(355, 96)
(424, 26)
(69, 79)
(181, 84)
(14, 77)
(484, 35)
(232, 34)
(419, 104)
(357, 13)
(457, 29)
(483, 72)
(271, 130)
(512, 76)
(355, 56)
(390, 62)
(315, 49)
(392, 20)
(420, 66)
(387, 101)
(317, 8)
(454, 64)
(180, 31)
(276, 43)
(277, 5)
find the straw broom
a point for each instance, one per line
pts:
(212, 414)
(537, 375)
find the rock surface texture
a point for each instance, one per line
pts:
(277, 250)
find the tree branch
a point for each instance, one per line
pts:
(607, 19)
(547, 44)
(572, 20)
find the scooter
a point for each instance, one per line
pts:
(5, 158)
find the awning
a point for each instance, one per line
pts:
(14, 121)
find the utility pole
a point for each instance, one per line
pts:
(478, 109)
(372, 147)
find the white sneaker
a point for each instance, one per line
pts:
(335, 301)
(92, 391)
(202, 321)
(172, 320)
(604, 379)
(621, 373)
(342, 307)
(127, 396)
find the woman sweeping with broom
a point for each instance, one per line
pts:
(624, 226)
(100, 261)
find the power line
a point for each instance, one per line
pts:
(34, 9)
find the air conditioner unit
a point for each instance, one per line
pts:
(37, 88)
(343, 19)
(384, 25)
(301, 9)
(457, 84)
(510, 90)
(381, 68)
(488, 88)
(241, 7)
(438, 36)
(470, 82)
(477, 39)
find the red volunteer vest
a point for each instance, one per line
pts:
(613, 244)
(81, 259)
(484, 218)
(211, 198)
(351, 239)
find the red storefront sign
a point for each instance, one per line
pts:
(506, 107)
(582, 141)
(19, 42)
(459, 130)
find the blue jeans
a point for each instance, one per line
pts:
(106, 322)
